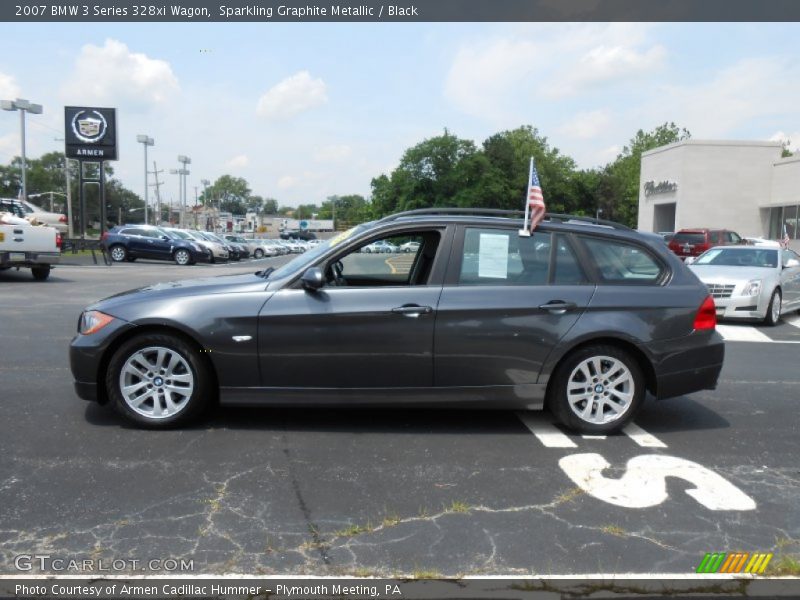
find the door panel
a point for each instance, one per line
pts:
(499, 335)
(348, 337)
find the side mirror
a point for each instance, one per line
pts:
(313, 278)
(791, 263)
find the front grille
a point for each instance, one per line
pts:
(719, 290)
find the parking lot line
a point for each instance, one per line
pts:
(794, 321)
(641, 437)
(742, 333)
(547, 433)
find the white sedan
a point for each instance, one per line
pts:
(750, 282)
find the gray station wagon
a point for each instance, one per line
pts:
(582, 317)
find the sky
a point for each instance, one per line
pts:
(303, 111)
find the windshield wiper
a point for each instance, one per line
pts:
(266, 272)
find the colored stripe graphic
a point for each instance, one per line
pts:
(734, 562)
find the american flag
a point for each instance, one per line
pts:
(535, 198)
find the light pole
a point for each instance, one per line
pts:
(22, 106)
(181, 173)
(598, 213)
(184, 160)
(205, 183)
(145, 141)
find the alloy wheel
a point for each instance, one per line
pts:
(600, 390)
(156, 382)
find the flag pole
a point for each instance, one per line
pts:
(525, 232)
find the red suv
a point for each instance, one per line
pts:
(693, 242)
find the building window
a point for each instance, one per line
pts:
(784, 216)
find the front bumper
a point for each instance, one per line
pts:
(86, 354)
(741, 307)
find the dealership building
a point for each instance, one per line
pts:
(743, 186)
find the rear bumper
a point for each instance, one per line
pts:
(86, 391)
(693, 366)
(28, 259)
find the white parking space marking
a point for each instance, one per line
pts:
(794, 321)
(593, 437)
(547, 433)
(742, 333)
(641, 437)
(644, 482)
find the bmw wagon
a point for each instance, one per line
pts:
(583, 317)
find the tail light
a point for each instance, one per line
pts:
(58, 240)
(706, 317)
(62, 219)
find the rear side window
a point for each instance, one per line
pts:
(568, 270)
(619, 262)
(502, 257)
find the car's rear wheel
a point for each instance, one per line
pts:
(258, 253)
(182, 257)
(597, 389)
(40, 273)
(118, 253)
(774, 309)
(158, 380)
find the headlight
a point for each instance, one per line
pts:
(753, 288)
(93, 321)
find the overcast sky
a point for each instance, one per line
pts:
(304, 111)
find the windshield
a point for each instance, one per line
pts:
(171, 234)
(731, 257)
(303, 260)
(179, 234)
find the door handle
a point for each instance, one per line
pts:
(558, 307)
(412, 310)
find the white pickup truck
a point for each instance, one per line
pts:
(34, 247)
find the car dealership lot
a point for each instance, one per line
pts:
(386, 492)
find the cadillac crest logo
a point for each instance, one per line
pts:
(89, 126)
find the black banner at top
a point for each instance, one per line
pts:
(206, 11)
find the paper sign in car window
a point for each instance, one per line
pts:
(341, 237)
(493, 256)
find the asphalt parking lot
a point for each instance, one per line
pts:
(330, 492)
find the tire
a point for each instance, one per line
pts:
(182, 257)
(773, 315)
(40, 273)
(177, 359)
(258, 253)
(581, 367)
(118, 253)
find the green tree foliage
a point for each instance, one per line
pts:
(618, 190)
(349, 210)
(230, 194)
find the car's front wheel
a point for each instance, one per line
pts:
(597, 389)
(774, 309)
(158, 381)
(258, 253)
(182, 257)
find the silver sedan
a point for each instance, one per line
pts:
(750, 283)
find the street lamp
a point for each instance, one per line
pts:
(182, 173)
(184, 160)
(145, 141)
(22, 106)
(598, 213)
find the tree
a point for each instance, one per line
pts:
(229, 193)
(269, 206)
(620, 201)
(349, 210)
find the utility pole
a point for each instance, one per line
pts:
(157, 185)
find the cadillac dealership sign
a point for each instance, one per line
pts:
(663, 187)
(90, 134)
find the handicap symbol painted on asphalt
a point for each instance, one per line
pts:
(644, 482)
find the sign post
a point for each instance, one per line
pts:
(90, 136)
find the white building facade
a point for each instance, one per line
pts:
(743, 186)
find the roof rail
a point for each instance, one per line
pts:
(499, 212)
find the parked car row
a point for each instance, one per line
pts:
(189, 246)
